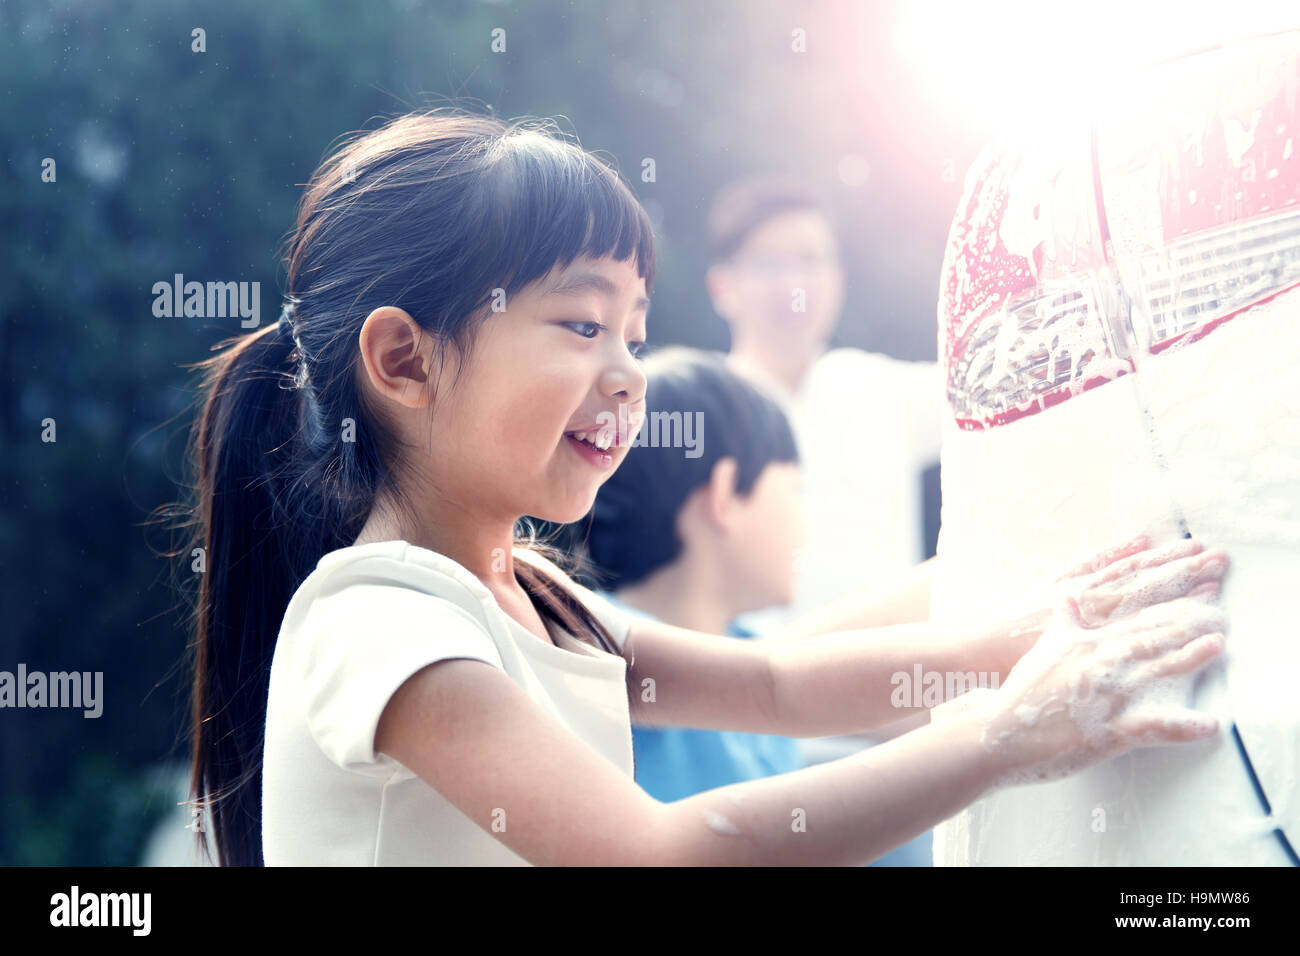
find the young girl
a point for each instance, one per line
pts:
(386, 675)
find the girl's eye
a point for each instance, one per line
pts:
(589, 325)
(638, 348)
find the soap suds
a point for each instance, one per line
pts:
(719, 824)
(1089, 700)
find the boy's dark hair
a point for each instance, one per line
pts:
(743, 206)
(430, 213)
(632, 525)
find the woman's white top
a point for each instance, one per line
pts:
(367, 618)
(867, 426)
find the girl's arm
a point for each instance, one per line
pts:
(476, 737)
(844, 683)
(829, 684)
(904, 600)
(470, 732)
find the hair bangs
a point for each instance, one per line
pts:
(558, 203)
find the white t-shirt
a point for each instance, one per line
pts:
(366, 619)
(867, 425)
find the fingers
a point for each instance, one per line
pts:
(1183, 547)
(1099, 608)
(1190, 612)
(1199, 652)
(1172, 580)
(1163, 635)
(1109, 556)
(1115, 596)
(1171, 726)
(1170, 651)
(1167, 627)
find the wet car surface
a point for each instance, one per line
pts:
(1119, 324)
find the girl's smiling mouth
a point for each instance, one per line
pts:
(599, 457)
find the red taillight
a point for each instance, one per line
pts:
(1032, 353)
(1195, 284)
(1082, 248)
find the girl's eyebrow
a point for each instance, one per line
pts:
(578, 282)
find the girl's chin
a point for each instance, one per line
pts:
(566, 513)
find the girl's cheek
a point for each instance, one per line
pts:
(524, 431)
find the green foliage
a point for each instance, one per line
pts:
(100, 815)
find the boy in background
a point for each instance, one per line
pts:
(867, 424)
(695, 528)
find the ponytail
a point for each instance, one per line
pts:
(253, 558)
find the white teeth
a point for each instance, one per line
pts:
(601, 439)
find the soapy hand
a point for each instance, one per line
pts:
(1115, 584)
(1130, 622)
(1121, 581)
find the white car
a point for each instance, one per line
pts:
(1119, 323)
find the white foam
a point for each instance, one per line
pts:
(1088, 702)
(719, 824)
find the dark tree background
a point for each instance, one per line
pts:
(175, 161)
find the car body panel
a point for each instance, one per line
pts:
(1119, 319)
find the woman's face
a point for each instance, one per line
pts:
(559, 356)
(785, 285)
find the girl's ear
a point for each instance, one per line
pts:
(398, 356)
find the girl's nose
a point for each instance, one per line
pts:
(626, 381)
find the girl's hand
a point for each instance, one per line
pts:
(1131, 622)
(1121, 581)
(1114, 584)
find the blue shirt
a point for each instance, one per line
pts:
(672, 763)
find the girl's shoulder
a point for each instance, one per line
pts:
(395, 555)
(405, 552)
(403, 561)
(364, 621)
(403, 564)
(398, 563)
(372, 581)
(349, 575)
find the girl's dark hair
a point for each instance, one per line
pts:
(430, 213)
(631, 529)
